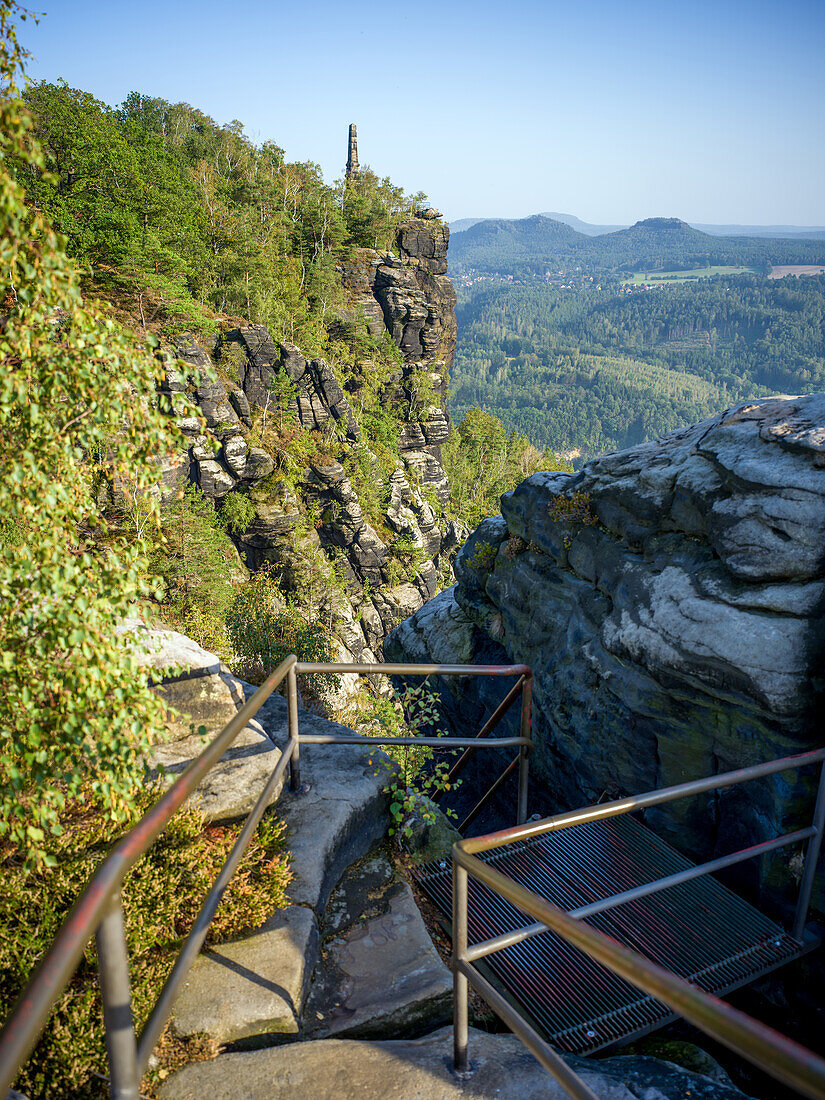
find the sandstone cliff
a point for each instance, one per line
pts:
(670, 599)
(313, 518)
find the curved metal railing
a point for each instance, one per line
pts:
(99, 912)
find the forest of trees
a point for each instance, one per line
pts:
(596, 370)
(175, 217)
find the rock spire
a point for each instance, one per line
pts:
(352, 153)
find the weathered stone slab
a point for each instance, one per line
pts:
(234, 784)
(422, 1070)
(380, 975)
(255, 986)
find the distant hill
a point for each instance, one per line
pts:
(526, 246)
(591, 229)
(464, 223)
(501, 241)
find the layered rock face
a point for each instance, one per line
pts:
(671, 601)
(414, 300)
(317, 516)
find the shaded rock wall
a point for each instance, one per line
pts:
(674, 617)
(410, 297)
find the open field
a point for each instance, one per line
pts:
(653, 278)
(781, 270)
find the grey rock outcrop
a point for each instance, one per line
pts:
(674, 615)
(413, 297)
(404, 1069)
(315, 520)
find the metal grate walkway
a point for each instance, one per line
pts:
(700, 930)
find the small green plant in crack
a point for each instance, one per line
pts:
(576, 511)
(483, 558)
(414, 776)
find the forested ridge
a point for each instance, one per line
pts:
(176, 217)
(578, 367)
(527, 246)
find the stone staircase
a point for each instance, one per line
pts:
(341, 994)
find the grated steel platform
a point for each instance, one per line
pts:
(700, 930)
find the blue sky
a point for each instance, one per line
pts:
(614, 111)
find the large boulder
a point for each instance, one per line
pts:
(671, 601)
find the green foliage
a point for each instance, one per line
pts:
(409, 557)
(263, 632)
(236, 512)
(373, 208)
(192, 556)
(414, 775)
(173, 215)
(161, 898)
(76, 712)
(484, 460)
(600, 367)
(483, 557)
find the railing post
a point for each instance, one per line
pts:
(113, 968)
(292, 718)
(811, 858)
(524, 751)
(460, 986)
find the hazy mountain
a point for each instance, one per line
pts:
(526, 246)
(504, 241)
(591, 229)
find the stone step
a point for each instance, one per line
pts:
(343, 814)
(329, 1069)
(379, 974)
(256, 986)
(251, 987)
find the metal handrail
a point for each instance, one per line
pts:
(99, 911)
(779, 1056)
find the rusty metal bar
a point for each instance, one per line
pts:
(541, 1051)
(194, 941)
(461, 1007)
(489, 725)
(779, 1056)
(811, 859)
(304, 668)
(642, 801)
(113, 968)
(524, 753)
(482, 802)
(294, 738)
(437, 742)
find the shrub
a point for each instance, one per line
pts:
(483, 557)
(263, 632)
(76, 711)
(236, 512)
(575, 509)
(161, 897)
(413, 774)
